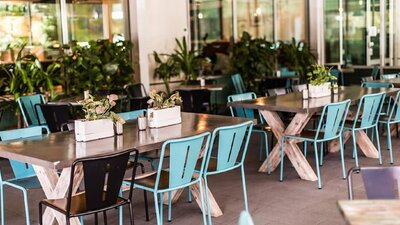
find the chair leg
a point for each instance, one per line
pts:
(96, 219)
(170, 206)
(378, 144)
(317, 165)
(26, 206)
(161, 208)
(40, 213)
(207, 200)
(397, 130)
(105, 216)
(260, 158)
(246, 206)
(131, 213)
(321, 160)
(67, 219)
(146, 205)
(282, 154)
(342, 157)
(267, 153)
(189, 195)
(159, 222)
(389, 142)
(355, 155)
(203, 210)
(305, 149)
(2, 203)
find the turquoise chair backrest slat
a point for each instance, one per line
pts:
(371, 108)
(335, 115)
(132, 115)
(396, 108)
(184, 154)
(231, 141)
(376, 85)
(21, 170)
(242, 112)
(32, 115)
(238, 84)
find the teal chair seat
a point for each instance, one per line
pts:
(330, 127)
(25, 176)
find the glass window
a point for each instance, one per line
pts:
(291, 20)
(332, 31)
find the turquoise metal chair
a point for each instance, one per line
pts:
(238, 84)
(24, 175)
(184, 153)
(339, 75)
(376, 85)
(367, 117)
(245, 218)
(392, 118)
(262, 128)
(132, 115)
(330, 127)
(230, 153)
(30, 109)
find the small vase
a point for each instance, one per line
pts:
(119, 128)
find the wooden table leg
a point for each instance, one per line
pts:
(363, 141)
(291, 150)
(56, 186)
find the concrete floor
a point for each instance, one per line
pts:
(293, 201)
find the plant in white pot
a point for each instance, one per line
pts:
(99, 119)
(320, 79)
(163, 111)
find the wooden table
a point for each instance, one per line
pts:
(57, 151)
(304, 109)
(370, 212)
(209, 87)
(394, 81)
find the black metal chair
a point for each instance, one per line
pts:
(379, 182)
(137, 96)
(56, 116)
(103, 176)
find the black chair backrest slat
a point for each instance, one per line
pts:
(55, 115)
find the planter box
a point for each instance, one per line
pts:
(319, 91)
(164, 117)
(92, 130)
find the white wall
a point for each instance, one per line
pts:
(154, 26)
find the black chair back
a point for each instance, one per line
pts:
(103, 176)
(136, 90)
(56, 116)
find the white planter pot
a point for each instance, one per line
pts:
(164, 117)
(319, 91)
(92, 130)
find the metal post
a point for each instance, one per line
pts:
(382, 36)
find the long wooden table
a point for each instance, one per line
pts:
(370, 212)
(304, 109)
(50, 153)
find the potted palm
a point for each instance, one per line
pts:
(320, 79)
(163, 111)
(99, 119)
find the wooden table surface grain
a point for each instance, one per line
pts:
(193, 87)
(59, 150)
(370, 212)
(293, 102)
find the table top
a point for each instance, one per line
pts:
(59, 150)
(370, 212)
(293, 102)
(209, 87)
(394, 81)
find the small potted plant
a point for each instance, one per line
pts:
(163, 111)
(320, 79)
(99, 119)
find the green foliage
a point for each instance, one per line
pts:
(320, 75)
(166, 69)
(160, 101)
(102, 65)
(101, 109)
(28, 76)
(252, 58)
(186, 58)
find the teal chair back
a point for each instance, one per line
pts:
(231, 140)
(285, 72)
(30, 109)
(21, 170)
(238, 84)
(339, 75)
(245, 218)
(132, 115)
(242, 112)
(369, 107)
(394, 113)
(376, 85)
(332, 119)
(184, 153)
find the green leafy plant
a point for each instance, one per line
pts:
(187, 59)
(101, 109)
(166, 69)
(252, 58)
(102, 65)
(161, 101)
(320, 75)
